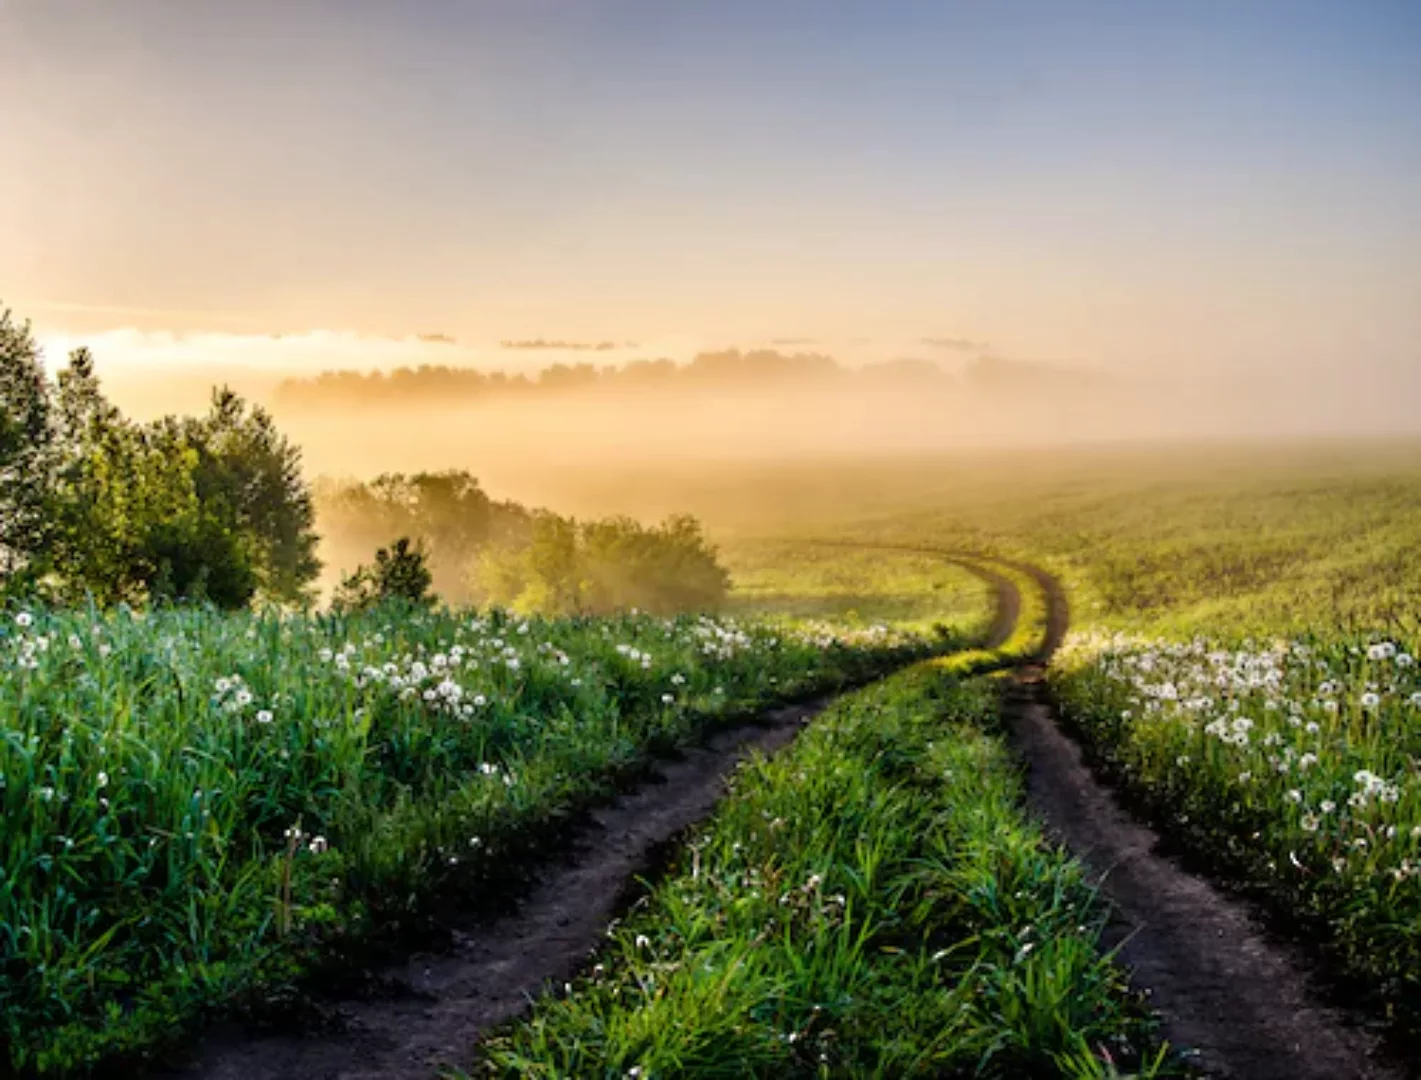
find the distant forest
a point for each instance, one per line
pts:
(754, 369)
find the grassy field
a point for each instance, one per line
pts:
(204, 811)
(203, 808)
(1216, 538)
(854, 587)
(1241, 660)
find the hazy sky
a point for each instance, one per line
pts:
(1145, 184)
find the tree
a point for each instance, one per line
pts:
(448, 511)
(25, 444)
(93, 504)
(247, 475)
(400, 573)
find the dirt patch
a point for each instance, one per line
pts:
(1226, 989)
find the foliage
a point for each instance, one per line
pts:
(872, 902)
(446, 511)
(399, 574)
(25, 436)
(603, 566)
(95, 505)
(201, 806)
(492, 552)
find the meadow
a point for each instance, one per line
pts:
(202, 808)
(1242, 664)
(208, 813)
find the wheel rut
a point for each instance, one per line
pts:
(1238, 999)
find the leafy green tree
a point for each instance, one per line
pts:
(25, 451)
(663, 570)
(456, 520)
(248, 476)
(95, 505)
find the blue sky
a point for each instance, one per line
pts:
(1132, 184)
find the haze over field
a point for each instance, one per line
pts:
(1190, 220)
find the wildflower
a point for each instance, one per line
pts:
(103, 779)
(24, 620)
(318, 845)
(1327, 806)
(667, 699)
(264, 716)
(1309, 823)
(1370, 700)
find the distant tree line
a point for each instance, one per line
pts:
(755, 370)
(442, 384)
(482, 551)
(95, 505)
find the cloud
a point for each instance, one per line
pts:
(585, 346)
(955, 344)
(794, 341)
(130, 351)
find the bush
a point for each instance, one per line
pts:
(400, 573)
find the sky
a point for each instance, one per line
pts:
(1200, 186)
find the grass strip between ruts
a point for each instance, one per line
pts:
(871, 902)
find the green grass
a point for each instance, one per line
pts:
(203, 809)
(871, 902)
(852, 587)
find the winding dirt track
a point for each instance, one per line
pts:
(1224, 988)
(436, 1006)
